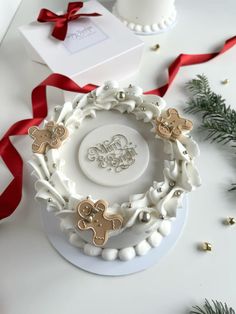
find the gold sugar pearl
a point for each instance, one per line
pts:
(89, 219)
(144, 216)
(155, 47)
(206, 246)
(225, 81)
(161, 216)
(230, 221)
(178, 193)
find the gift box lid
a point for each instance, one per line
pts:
(90, 41)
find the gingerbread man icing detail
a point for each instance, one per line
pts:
(172, 126)
(93, 216)
(51, 136)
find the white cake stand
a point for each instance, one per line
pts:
(97, 265)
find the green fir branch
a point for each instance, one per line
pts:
(216, 308)
(218, 119)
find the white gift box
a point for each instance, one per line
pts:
(96, 49)
(7, 11)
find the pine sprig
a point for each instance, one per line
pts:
(217, 118)
(216, 308)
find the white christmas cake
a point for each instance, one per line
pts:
(92, 223)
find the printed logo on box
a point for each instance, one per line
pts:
(83, 34)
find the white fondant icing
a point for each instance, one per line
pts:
(160, 200)
(150, 16)
(126, 254)
(142, 248)
(75, 241)
(155, 239)
(92, 250)
(109, 254)
(165, 228)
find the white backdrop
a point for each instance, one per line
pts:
(7, 11)
(34, 278)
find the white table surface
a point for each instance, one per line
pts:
(34, 278)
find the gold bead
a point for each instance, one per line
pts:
(161, 216)
(206, 246)
(120, 95)
(89, 219)
(178, 193)
(155, 47)
(144, 216)
(231, 221)
(225, 82)
(172, 183)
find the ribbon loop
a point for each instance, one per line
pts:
(61, 21)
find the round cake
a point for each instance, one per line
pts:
(113, 155)
(149, 16)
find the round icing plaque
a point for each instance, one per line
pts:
(113, 155)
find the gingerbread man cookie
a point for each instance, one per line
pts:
(50, 137)
(172, 126)
(93, 216)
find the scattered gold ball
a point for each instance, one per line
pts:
(225, 82)
(144, 216)
(89, 219)
(120, 96)
(206, 246)
(178, 193)
(161, 216)
(231, 221)
(155, 47)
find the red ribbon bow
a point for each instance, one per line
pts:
(61, 21)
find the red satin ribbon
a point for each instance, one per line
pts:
(61, 21)
(11, 197)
